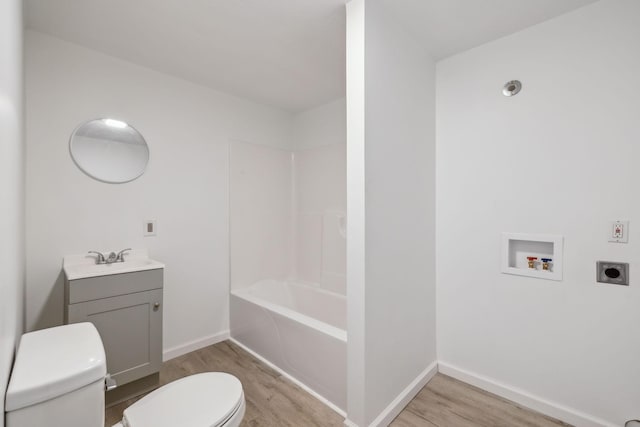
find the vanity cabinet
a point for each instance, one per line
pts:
(127, 311)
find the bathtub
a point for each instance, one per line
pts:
(300, 329)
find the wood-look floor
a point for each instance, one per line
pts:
(272, 400)
(446, 402)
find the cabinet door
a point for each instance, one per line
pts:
(131, 329)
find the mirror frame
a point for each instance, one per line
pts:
(87, 173)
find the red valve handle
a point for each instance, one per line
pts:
(532, 258)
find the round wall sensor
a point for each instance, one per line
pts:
(511, 88)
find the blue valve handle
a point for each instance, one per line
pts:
(546, 259)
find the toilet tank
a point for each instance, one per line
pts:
(58, 379)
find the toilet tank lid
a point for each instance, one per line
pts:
(55, 361)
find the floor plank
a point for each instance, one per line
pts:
(446, 402)
(274, 401)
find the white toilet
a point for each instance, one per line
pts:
(58, 379)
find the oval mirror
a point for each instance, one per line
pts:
(109, 150)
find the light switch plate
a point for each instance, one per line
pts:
(619, 231)
(149, 228)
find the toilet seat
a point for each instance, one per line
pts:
(212, 399)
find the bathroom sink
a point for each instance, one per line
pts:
(84, 266)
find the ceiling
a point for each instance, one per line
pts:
(447, 27)
(285, 53)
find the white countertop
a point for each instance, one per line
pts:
(84, 266)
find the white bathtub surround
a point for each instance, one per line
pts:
(288, 207)
(321, 217)
(11, 189)
(391, 253)
(568, 348)
(299, 329)
(288, 252)
(320, 196)
(334, 252)
(260, 213)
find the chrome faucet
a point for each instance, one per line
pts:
(120, 256)
(100, 258)
(111, 258)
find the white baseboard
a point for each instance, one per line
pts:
(402, 400)
(294, 380)
(194, 345)
(524, 398)
(536, 403)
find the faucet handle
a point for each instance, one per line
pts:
(120, 257)
(100, 259)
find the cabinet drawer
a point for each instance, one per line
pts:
(94, 288)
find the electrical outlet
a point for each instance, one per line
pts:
(619, 232)
(616, 273)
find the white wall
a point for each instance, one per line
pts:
(11, 189)
(320, 126)
(559, 158)
(185, 188)
(355, 40)
(399, 214)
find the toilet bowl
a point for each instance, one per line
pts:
(58, 379)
